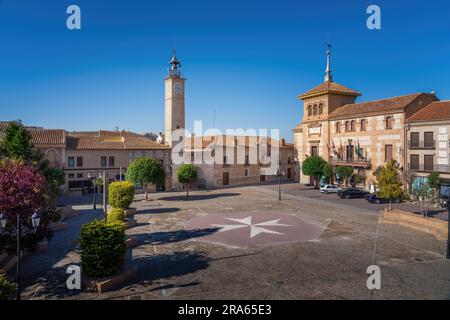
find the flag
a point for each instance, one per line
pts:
(358, 151)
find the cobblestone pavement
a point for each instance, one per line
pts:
(174, 263)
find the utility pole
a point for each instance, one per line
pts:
(105, 212)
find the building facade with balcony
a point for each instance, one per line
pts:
(428, 134)
(359, 135)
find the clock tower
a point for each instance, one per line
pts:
(174, 100)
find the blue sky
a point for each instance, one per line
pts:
(247, 59)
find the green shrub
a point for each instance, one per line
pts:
(121, 194)
(6, 288)
(116, 214)
(102, 247)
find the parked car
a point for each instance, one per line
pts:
(329, 188)
(353, 193)
(373, 198)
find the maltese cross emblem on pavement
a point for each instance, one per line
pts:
(255, 228)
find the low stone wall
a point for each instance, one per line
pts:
(436, 227)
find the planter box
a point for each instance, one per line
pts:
(436, 227)
(130, 212)
(109, 283)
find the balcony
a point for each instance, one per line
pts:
(352, 162)
(430, 145)
(443, 168)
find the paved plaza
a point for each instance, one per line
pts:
(242, 243)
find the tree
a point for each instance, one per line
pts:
(328, 172)
(314, 166)
(143, 171)
(389, 182)
(187, 174)
(424, 196)
(23, 190)
(344, 173)
(16, 143)
(434, 183)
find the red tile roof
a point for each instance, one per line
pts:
(41, 136)
(374, 107)
(327, 87)
(115, 140)
(435, 111)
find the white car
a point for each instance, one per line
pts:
(329, 188)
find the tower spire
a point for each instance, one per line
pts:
(328, 76)
(174, 65)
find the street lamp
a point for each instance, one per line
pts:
(279, 174)
(448, 231)
(35, 221)
(2, 221)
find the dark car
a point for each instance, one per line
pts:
(373, 198)
(353, 193)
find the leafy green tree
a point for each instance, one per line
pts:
(16, 143)
(328, 172)
(187, 174)
(314, 166)
(377, 171)
(344, 173)
(143, 171)
(434, 183)
(389, 182)
(424, 196)
(6, 287)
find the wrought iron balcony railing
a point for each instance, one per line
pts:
(422, 144)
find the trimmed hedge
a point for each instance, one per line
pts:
(116, 214)
(102, 247)
(6, 288)
(121, 194)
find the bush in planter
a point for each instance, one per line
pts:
(102, 247)
(116, 214)
(6, 288)
(121, 194)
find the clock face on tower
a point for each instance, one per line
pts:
(178, 88)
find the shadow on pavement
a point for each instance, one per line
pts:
(195, 197)
(158, 210)
(158, 238)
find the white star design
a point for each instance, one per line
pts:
(255, 229)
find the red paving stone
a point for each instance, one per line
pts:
(250, 229)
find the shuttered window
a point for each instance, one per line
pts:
(414, 162)
(428, 139)
(428, 162)
(388, 152)
(414, 139)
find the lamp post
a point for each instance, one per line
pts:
(279, 174)
(35, 221)
(448, 231)
(93, 178)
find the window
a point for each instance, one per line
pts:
(79, 175)
(315, 110)
(289, 160)
(363, 125)
(246, 172)
(347, 126)
(247, 161)
(71, 176)
(321, 108)
(388, 152)
(414, 162)
(352, 125)
(309, 110)
(192, 157)
(79, 161)
(338, 127)
(71, 162)
(224, 159)
(428, 162)
(428, 140)
(111, 161)
(388, 121)
(103, 161)
(414, 140)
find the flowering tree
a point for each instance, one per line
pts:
(23, 190)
